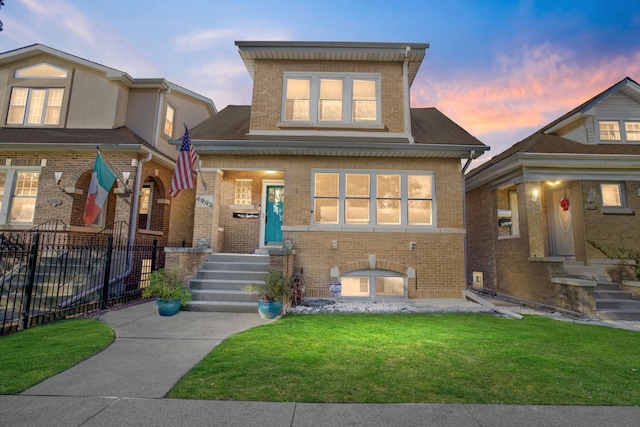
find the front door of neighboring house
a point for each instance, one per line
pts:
(273, 212)
(561, 223)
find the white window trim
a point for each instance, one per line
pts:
(621, 129)
(35, 76)
(9, 190)
(372, 225)
(372, 275)
(347, 98)
(623, 208)
(168, 107)
(45, 106)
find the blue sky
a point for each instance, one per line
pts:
(500, 69)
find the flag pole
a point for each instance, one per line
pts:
(198, 170)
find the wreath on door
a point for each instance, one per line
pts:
(564, 204)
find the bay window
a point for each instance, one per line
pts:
(331, 98)
(373, 198)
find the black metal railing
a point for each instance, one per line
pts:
(43, 278)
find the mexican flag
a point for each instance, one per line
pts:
(102, 180)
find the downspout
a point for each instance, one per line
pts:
(134, 220)
(464, 214)
(407, 100)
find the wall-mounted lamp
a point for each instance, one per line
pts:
(412, 245)
(334, 244)
(58, 176)
(534, 195)
(125, 177)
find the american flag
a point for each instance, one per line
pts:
(183, 174)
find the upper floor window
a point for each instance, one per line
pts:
(35, 106)
(373, 198)
(169, 117)
(41, 71)
(332, 98)
(610, 130)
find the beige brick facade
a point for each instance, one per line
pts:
(268, 85)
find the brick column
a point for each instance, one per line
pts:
(535, 223)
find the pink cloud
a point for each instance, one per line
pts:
(527, 90)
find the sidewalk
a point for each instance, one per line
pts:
(121, 386)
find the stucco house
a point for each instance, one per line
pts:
(331, 167)
(533, 210)
(56, 110)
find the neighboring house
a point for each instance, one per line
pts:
(331, 159)
(56, 110)
(532, 209)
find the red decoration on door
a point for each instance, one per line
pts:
(564, 204)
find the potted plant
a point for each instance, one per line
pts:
(169, 291)
(274, 294)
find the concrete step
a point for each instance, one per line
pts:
(607, 286)
(613, 295)
(235, 266)
(226, 284)
(223, 295)
(252, 276)
(617, 304)
(223, 306)
(621, 314)
(238, 258)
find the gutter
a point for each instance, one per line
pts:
(407, 99)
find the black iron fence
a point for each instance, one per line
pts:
(47, 275)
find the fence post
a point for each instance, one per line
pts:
(154, 250)
(31, 270)
(107, 273)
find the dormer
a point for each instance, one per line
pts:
(611, 117)
(331, 88)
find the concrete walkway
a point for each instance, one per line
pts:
(125, 385)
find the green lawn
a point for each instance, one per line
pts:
(443, 358)
(33, 355)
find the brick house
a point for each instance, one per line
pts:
(532, 209)
(56, 109)
(331, 159)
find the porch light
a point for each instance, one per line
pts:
(534, 195)
(58, 176)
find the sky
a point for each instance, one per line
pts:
(499, 69)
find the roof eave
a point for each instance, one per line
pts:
(337, 148)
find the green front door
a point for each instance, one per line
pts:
(273, 215)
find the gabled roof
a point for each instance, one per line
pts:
(544, 141)
(435, 136)
(414, 53)
(110, 73)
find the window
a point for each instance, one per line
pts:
(41, 71)
(611, 195)
(612, 131)
(632, 130)
(243, 192)
(515, 218)
(18, 193)
(373, 198)
(168, 120)
(35, 106)
(332, 99)
(146, 205)
(373, 283)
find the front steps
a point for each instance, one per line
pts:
(218, 284)
(612, 303)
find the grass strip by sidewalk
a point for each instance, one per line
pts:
(438, 358)
(33, 355)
